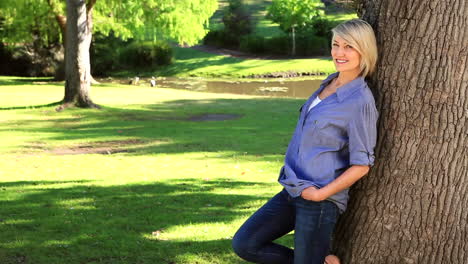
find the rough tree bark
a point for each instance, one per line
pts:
(412, 207)
(77, 62)
(62, 23)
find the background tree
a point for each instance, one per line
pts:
(294, 14)
(411, 208)
(237, 20)
(183, 21)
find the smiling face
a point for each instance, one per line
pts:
(346, 58)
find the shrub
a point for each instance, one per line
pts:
(237, 20)
(279, 45)
(252, 44)
(237, 23)
(144, 54)
(30, 60)
(311, 45)
(109, 53)
(213, 38)
(306, 45)
(104, 54)
(321, 27)
(221, 39)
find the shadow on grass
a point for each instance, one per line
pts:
(264, 129)
(30, 106)
(191, 59)
(18, 81)
(79, 222)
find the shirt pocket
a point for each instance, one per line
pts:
(328, 133)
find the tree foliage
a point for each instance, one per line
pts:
(28, 21)
(184, 21)
(237, 19)
(296, 14)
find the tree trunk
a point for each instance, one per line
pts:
(411, 208)
(77, 62)
(293, 42)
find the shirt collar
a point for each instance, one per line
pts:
(347, 89)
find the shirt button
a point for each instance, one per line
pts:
(315, 121)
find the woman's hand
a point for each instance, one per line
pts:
(313, 194)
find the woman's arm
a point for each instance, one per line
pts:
(345, 180)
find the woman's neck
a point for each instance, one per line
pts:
(346, 77)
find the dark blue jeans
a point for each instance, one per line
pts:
(312, 222)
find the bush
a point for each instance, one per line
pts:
(104, 54)
(252, 44)
(321, 27)
(144, 54)
(311, 45)
(306, 45)
(237, 20)
(279, 45)
(109, 54)
(237, 23)
(213, 38)
(221, 39)
(30, 60)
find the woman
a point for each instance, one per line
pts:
(332, 147)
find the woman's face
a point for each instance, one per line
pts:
(345, 57)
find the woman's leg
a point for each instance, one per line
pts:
(253, 240)
(315, 222)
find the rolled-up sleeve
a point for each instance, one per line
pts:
(362, 133)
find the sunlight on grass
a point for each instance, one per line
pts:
(190, 62)
(135, 182)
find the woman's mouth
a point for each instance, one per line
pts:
(341, 61)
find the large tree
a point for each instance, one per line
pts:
(411, 208)
(183, 21)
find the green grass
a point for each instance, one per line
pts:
(158, 187)
(190, 62)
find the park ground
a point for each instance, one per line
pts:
(155, 176)
(150, 178)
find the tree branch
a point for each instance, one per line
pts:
(90, 5)
(60, 18)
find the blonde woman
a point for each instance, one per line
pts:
(332, 148)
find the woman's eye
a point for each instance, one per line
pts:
(335, 45)
(349, 47)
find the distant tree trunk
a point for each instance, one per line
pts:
(293, 42)
(412, 207)
(77, 62)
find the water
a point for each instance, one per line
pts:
(297, 88)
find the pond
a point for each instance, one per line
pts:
(296, 88)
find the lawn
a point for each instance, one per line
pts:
(190, 62)
(141, 181)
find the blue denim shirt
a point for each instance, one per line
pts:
(338, 132)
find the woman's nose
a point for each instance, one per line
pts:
(339, 51)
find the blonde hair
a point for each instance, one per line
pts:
(359, 34)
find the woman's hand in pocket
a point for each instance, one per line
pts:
(312, 194)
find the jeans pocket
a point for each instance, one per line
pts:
(329, 212)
